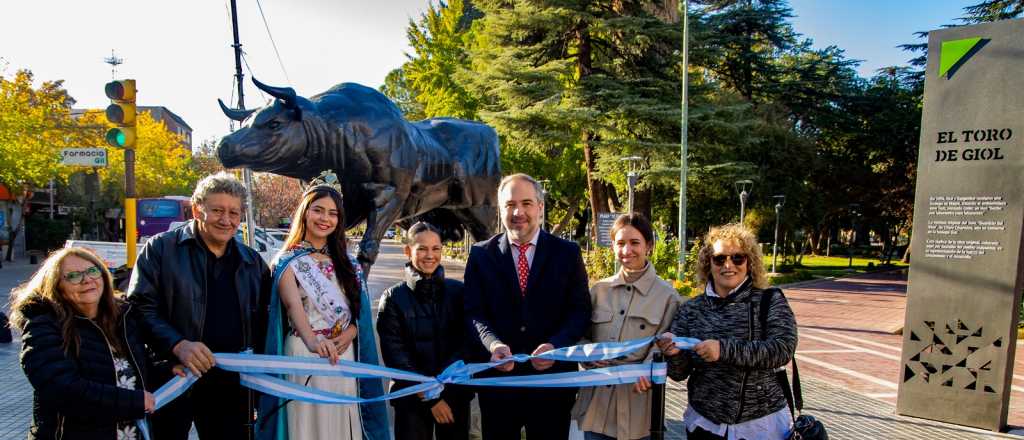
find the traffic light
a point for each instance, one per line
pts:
(121, 112)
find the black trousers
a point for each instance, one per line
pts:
(217, 404)
(543, 412)
(414, 421)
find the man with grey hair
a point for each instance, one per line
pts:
(525, 291)
(198, 291)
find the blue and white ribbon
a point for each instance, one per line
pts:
(255, 369)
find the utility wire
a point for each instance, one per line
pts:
(272, 43)
(253, 75)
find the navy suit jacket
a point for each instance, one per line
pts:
(555, 309)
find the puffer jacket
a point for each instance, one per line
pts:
(78, 397)
(741, 384)
(422, 329)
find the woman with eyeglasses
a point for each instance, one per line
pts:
(732, 389)
(81, 351)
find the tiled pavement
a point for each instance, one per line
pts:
(15, 392)
(825, 312)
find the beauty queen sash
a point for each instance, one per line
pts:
(322, 292)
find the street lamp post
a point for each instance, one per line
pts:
(853, 231)
(779, 201)
(544, 196)
(684, 16)
(744, 187)
(632, 175)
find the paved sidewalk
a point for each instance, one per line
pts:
(15, 391)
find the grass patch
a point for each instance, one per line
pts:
(816, 267)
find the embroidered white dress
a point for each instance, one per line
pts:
(320, 421)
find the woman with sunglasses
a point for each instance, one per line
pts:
(732, 389)
(81, 351)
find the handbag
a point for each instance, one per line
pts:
(805, 427)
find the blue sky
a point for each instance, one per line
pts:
(870, 30)
(180, 54)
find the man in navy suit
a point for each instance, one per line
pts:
(525, 292)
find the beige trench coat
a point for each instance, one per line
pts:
(622, 312)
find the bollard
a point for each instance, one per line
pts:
(658, 405)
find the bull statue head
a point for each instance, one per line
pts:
(276, 139)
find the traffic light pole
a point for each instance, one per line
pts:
(131, 235)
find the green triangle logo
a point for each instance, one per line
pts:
(953, 52)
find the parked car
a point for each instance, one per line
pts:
(266, 244)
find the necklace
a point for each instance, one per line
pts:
(309, 245)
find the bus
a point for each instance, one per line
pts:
(155, 215)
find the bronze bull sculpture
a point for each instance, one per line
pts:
(442, 170)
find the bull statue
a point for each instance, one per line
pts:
(442, 170)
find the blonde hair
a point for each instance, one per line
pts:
(44, 289)
(739, 235)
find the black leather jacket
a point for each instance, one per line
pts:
(77, 397)
(422, 329)
(169, 286)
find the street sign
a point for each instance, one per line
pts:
(605, 220)
(86, 157)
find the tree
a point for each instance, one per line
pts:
(568, 79)
(163, 164)
(993, 10)
(275, 197)
(35, 125)
(438, 41)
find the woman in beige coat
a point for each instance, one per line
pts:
(634, 303)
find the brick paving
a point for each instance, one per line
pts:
(15, 391)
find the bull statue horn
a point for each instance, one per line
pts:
(285, 94)
(233, 114)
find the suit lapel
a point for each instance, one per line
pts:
(540, 256)
(502, 254)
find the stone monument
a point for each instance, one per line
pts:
(965, 275)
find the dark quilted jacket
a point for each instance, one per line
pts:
(741, 385)
(77, 397)
(422, 329)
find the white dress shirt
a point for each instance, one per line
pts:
(530, 251)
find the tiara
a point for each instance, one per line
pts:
(326, 180)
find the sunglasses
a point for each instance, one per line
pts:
(76, 277)
(737, 259)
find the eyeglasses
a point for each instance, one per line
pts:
(215, 213)
(737, 259)
(93, 273)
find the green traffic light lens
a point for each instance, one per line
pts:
(116, 137)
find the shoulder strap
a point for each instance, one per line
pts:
(794, 397)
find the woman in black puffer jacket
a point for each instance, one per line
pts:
(421, 330)
(732, 389)
(81, 351)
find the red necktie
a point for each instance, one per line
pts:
(523, 267)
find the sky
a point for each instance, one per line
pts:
(180, 54)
